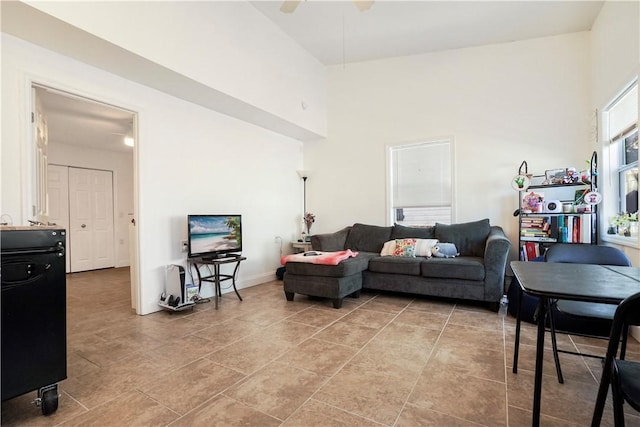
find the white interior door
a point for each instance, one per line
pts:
(41, 139)
(58, 195)
(91, 219)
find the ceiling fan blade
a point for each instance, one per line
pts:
(363, 5)
(289, 6)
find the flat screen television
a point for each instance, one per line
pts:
(214, 236)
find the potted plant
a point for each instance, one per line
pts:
(633, 224)
(626, 224)
(309, 219)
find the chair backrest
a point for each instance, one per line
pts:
(586, 254)
(627, 312)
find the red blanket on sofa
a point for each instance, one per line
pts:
(326, 258)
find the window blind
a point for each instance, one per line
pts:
(422, 175)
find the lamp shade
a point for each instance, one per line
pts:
(304, 174)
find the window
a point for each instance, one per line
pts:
(628, 173)
(620, 132)
(420, 183)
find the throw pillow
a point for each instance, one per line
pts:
(424, 246)
(389, 248)
(405, 248)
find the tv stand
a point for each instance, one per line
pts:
(216, 278)
(217, 257)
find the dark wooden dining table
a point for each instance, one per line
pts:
(575, 282)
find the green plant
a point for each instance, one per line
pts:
(234, 224)
(623, 221)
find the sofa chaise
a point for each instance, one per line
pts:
(476, 274)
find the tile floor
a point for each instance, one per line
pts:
(381, 360)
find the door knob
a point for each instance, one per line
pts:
(83, 225)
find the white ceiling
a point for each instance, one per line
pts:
(335, 32)
(79, 121)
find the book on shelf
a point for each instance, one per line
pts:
(539, 239)
(573, 228)
(530, 251)
(585, 228)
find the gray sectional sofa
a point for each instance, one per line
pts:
(476, 274)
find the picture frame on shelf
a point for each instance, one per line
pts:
(533, 203)
(554, 176)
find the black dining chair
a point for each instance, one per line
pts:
(624, 375)
(583, 311)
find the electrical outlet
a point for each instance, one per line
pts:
(277, 239)
(184, 246)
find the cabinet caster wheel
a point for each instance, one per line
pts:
(48, 399)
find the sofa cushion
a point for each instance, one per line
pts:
(395, 265)
(345, 268)
(367, 238)
(403, 232)
(330, 242)
(469, 237)
(465, 268)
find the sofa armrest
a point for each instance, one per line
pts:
(496, 254)
(330, 242)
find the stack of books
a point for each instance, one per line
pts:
(536, 228)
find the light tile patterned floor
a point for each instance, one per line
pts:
(381, 360)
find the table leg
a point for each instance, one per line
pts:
(537, 389)
(516, 345)
(199, 277)
(233, 279)
(216, 284)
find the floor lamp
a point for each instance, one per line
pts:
(304, 175)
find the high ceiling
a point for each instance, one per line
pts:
(336, 32)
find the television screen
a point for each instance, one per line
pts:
(213, 235)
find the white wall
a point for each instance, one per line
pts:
(501, 103)
(226, 45)
(615, 50)
(615, 61)
(121, 164)
(189, 160)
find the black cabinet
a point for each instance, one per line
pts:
(34, 345)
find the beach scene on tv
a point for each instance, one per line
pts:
(215, 233)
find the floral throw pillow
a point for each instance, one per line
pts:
(405, 248)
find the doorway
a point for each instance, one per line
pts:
(87, 138)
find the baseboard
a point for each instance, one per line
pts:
(208, 292)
